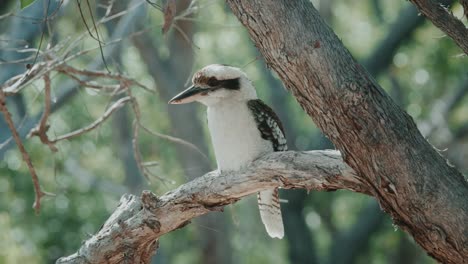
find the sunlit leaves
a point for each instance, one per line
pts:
(25, 3)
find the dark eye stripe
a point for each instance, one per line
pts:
(231, 84)
(213, 82)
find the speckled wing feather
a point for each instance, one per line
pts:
(269, 124)
(271, 129)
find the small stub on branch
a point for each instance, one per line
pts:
(149, 200)
(169, 14)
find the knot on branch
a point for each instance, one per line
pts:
(149, 200)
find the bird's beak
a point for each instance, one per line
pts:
(189, 95)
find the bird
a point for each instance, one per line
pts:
(242, 128)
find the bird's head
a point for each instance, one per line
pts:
(217, 83)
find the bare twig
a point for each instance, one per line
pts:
(37, 188)
(121, 13)
(185, 36)
(6, 15)
(136, 133)
(97, 37)
(155, 5)
(117, 105)
(80, 9)
(136, 151)
(174, 140)
(41, 129)
(101, 49)
(64, 48)
(15, 84)
(6, 142)
(169, 14)
(106, 88)
(46, 19)
(150, 163)
(119, 77)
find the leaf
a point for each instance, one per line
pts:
(25, 3)
(169, 14)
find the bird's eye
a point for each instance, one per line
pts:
(213, 82)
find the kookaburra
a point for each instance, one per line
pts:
(242, 128)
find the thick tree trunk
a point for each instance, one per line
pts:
(412, 182)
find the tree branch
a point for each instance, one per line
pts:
(41, 129)
(445, 21)
(131, 233)
(70, 88)
(37, 187)
(117, 105)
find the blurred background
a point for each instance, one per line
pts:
(414, 62)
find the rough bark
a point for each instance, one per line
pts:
(131, 233)
(413, 183)
(355, 240)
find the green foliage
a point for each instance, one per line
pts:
(25, 3)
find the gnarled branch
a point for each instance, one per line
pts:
(131, 233)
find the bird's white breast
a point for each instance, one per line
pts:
(235, 136)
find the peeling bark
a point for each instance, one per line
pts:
(412, 182)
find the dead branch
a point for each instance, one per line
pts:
(37, 187)
(99, 74)
(132, 232)
(117, 105)
(62, 53)
(169, 14)
(174, 140)
(52, 62)
(135, 138)
(41, 129)
(137, 124)
(89, 84)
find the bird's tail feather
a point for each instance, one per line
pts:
(270, 212)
